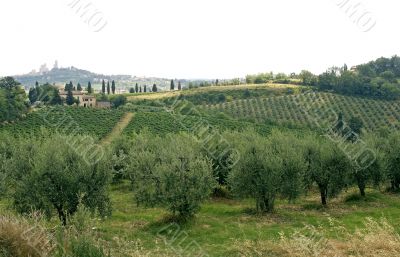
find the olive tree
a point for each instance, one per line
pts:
(59, 178)
(119, 150)
(7, 154)
(268, 168)
(327, 166)
(393, 161)
(373, 172)
(171, 173)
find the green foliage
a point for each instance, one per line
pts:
(307, 78)
(59, 174)
(373, 174)
(118, 101)
(69, 120)
(48, 94)
(113, 87)
(392, 151)
(69, 86)
(260, 78)
(13, 103)
(306, 109)
(327, 166)
(376, 79)
(269, 167)
(355, 125)
(70, 98)
(170, 172)
(89, 88)
(120, 149)
(162, 123)
(103, 87)
(32, 95)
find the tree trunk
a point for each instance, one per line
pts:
(62, 216)
(361, 187)
(324, 194)
(323, 198)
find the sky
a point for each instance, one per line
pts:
(188, 39)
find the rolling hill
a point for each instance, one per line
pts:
(306, 109)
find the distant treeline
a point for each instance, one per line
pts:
(377, 79)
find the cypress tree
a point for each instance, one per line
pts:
(113, 87)
(154, 88)
(136, 88)
(179, 86)
(103, 87)
(70, 97)
(79, 87)
(172, 87)
(89, 88)
(108, 87)
(32, 95)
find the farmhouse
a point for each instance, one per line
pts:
(77, 94)
(88, 101)
(85, 100)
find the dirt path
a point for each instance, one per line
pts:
(119, 127)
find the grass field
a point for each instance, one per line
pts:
(223, 222)
(303, 109)
(223, 225)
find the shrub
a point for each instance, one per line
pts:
(393, 161)
(83, 247)
(58, 176)
(173, 174)
(19, 238)
(327, 166)
(268, 168)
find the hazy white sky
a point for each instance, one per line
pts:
(196, 39)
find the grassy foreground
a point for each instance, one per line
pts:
(224, 227)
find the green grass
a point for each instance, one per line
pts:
(222, 221)
(306, 109)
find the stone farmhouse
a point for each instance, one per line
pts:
(86, 100)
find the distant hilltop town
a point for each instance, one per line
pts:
(60, 75)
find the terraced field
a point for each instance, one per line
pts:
(310, 109)
(71, 120)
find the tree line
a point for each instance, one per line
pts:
(377, 79)
(179, 173)
(13, 103)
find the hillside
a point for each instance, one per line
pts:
(271, 87)
(63, 75)
(301, 109)
(69, 120)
